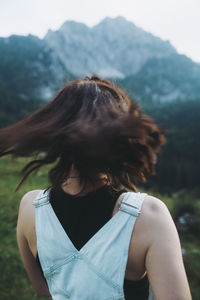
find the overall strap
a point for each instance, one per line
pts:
(132, 202)
(50, 234)
(41, 199)
(108, 250)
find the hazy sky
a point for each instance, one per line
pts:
(174, 20)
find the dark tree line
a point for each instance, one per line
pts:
(179, 163)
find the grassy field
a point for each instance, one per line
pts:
(13, 279)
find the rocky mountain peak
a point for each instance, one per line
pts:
(73, 27)
(113, 48)
(147, 66)
(117, 21)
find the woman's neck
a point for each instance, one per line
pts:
(72, 184)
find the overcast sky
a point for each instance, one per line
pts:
(174, 20)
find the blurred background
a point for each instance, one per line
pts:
(150, 48)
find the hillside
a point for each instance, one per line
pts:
(30, 73)
(165, 79)
(14, 283)
(32, 69)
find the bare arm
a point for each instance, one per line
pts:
(33, 270)
(164, 263)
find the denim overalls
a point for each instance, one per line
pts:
(96, 271)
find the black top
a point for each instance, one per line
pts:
(82, 216)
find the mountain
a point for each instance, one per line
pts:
(29, 67)
(33, 70)
(167, 84)
(165, 79)
(30, 73)
(114, 48)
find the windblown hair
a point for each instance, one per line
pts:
(93, 125)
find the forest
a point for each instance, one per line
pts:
(176, 182)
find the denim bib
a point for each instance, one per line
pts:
(97, 270)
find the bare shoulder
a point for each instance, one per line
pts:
(154, 209)
(152, 204)
(163, 259)
(157, 222)
(28, 198)
(154, 220)
(30, 195)
(26, 215)
(159, 217)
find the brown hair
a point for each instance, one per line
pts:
(92, 124)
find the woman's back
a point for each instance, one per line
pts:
(93, 127)
(82, 216)
(153, 228)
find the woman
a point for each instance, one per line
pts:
(76, 238)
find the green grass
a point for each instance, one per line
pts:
(14, 283)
